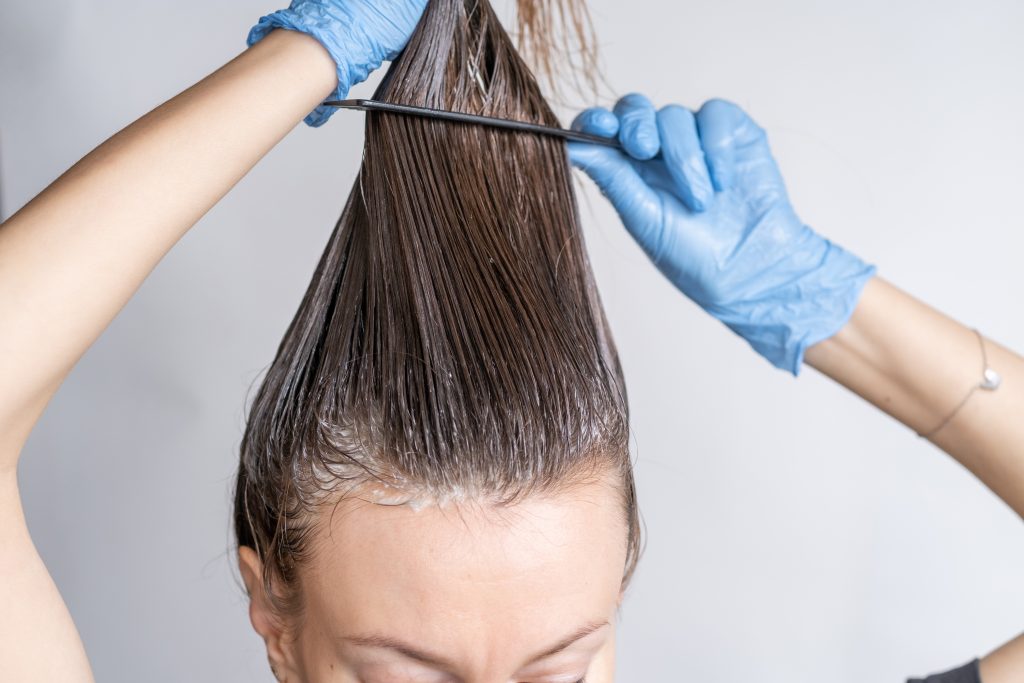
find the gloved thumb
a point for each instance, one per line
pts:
(613, 173)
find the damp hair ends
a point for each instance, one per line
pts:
(451, 343)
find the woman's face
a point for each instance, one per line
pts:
(462, 593)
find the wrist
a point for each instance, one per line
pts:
(806, 300)
(902, 355)
(306, 59)
(323, 35)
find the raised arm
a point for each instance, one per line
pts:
(703, 196)
(72, 257)
(926, 370)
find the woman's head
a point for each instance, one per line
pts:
(466, 590)
(439, 452)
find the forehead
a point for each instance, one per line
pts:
(469, 579)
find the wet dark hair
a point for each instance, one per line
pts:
(452, 341)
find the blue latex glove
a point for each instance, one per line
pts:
(704, 198)
(358, 34)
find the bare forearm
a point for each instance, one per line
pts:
(72, 257)
(918, 364)
(1005, 665)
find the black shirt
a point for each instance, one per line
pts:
(968, 673)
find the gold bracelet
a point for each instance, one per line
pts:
(990, 381)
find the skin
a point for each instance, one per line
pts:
(72, 257)
(486, 588)
(916, 364)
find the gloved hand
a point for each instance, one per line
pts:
(704, 198)
(359, 35)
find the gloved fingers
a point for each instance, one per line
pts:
(638, 127)
(683, 156)
(596, 121)
(720, 123)
(612, 171)
(401, 19)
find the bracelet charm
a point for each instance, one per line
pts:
(990, 381)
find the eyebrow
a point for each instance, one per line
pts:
(403, 648)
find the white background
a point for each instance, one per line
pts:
(795, 534)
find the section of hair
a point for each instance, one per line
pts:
(452, 341)
(557, 38)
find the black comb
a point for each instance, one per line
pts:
(375, 105)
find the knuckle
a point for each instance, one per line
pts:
(588, 117)
(634, 105)
(634, 99)
(594, 119)
(719, 107)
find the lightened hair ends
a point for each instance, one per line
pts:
(451, 343)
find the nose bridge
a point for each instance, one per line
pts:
(490, 679)
(493, 677)
(491, 659)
